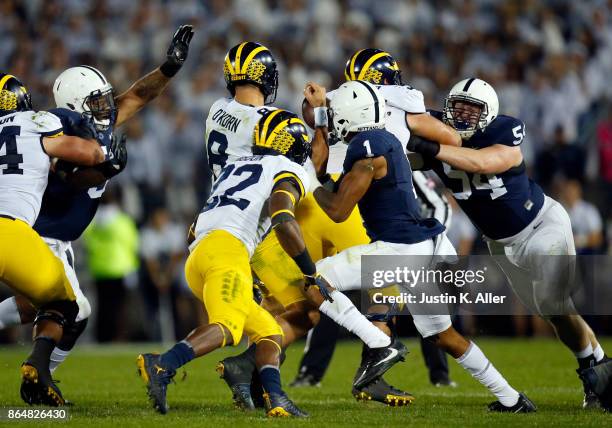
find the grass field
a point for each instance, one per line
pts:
(102, 383)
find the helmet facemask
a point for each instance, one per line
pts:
(465, 114)
(100, 106)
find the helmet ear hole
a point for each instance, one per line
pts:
(70, 105)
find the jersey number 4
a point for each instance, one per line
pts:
(493, 183)
(254, 173)
(12, 159)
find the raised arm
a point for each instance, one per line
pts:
(316, 97)
(147, 88)
(74, 149)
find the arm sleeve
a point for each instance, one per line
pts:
(506, 130)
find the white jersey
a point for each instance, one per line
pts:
(24, 164)
(399, 100)
(229, 131)
(239, 200)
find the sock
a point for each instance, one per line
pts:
(585, 353)
(270, 379)
(57, 357)
(344, 313)
(477, 364)
(177, 356)
(39, 358)
(598, 353)
(9, 314)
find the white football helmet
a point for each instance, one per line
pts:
(85, 90)
(357, 106)
(475, 92)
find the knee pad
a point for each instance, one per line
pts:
(63, 312)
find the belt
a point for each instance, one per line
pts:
(7, 216)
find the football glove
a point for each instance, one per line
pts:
(177, 51)
(320, 284)
(423, 146)
(117, 157)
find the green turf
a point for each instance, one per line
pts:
(103, 384)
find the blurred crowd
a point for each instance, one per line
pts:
(549, 60)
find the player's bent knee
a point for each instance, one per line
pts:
(84, 308)
(71, 333)
(62, 312)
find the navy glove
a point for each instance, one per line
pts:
(177, 51)
(321, 285)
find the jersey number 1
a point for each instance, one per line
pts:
(12, 159)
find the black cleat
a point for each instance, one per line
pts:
(305, 380)
(38, 387)
(381, 391)
(257, 391)
(279, 406)
(523, 405)
(377, 361)
(599, 381)
(237, 374)
(157, 379)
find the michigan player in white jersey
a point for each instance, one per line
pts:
(251, 77)
(28, 141)
(529, 232)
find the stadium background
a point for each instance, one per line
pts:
(550, 62)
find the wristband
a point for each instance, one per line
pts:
(305, 263)
(169, 69)
(320, 116)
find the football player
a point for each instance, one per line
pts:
(83, 94)
(530, 231)
(406, 114)
(376, 176)
(252, 194)
(28, 142)
(252, 80)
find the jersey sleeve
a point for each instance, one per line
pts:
(75, 123)
(293, 172)
(46, 124)
(365, 145)
(405, 98)
(505, 130)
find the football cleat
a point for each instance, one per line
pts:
(590, 400)
(279, 406)
(381, 391)
(377, 361)
(37, 388)
(599, 380)
(237, 373)
(157, 379)
(305, 380)
(445, 383)
(523, 405)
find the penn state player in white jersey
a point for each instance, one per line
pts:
(83, 95)
(28, 141)
(377, 177)
(531, 230)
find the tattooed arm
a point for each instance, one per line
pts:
(140, 93)
(150, 86)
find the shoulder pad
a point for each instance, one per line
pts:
(405, 98)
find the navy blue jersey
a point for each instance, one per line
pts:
(66, 212)
(500, 205)
(390, 209)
